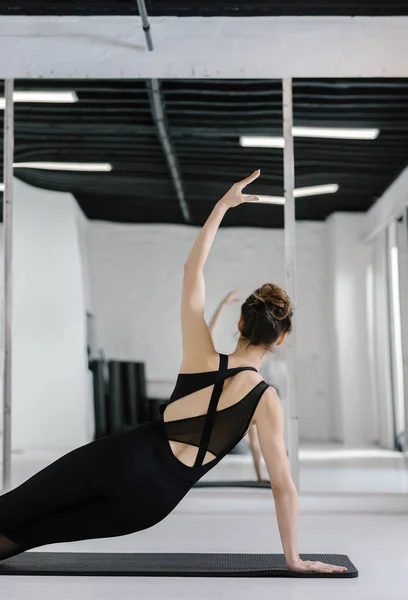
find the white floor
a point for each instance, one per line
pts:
(243, 521)
(353, 503)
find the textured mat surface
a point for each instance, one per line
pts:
(166, 565)
(224, 484)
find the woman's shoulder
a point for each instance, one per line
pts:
(200, 364)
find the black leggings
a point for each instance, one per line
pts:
(113, 486)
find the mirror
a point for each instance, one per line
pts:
(107, 201)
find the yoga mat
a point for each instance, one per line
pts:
(166, 565)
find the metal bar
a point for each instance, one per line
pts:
(290, 275)
(7, 324)
(160, 120)
(145, 21)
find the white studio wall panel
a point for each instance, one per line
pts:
(50, 382)
(136, 273)
(354, 407)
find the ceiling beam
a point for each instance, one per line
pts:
(196, 47)
(161, 124)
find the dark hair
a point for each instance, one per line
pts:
(266, 315)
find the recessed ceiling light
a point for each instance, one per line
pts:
(61, 166)
(315, 190)
(48, 97)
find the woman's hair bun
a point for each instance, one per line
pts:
(276, 297)
(266, 315)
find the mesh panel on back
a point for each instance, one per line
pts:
(229, 427)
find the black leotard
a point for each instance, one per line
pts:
(129, 481)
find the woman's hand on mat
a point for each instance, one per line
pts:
(304, 566)
(234, 196)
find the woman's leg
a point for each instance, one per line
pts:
(114, 486)
(76, 477)
(91, 518)
(61, 483)
(8, 547)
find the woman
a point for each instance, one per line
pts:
(130, 481)
(252, 435)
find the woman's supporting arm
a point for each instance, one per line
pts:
(269, 422)
(270, 426)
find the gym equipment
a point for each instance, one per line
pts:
(97, 367)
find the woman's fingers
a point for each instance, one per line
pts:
(334, 567)
(319, 567)
(326, 568)
(250, 179)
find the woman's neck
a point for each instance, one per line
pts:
(251, 356)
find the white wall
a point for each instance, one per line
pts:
(50, 381)
(392, 204)
(136, 273)
(353, 414)
(133, 283)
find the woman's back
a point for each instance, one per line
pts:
(209, 412)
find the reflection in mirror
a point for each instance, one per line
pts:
(119, 195)
(121, 189)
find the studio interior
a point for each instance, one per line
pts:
(124, 124)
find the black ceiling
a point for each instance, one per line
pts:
(189, 8)
(113, 122)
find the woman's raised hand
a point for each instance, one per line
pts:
(234, 196)
(231, 297)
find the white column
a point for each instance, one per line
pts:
(290, 276)
(8, 222)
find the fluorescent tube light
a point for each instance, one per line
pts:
(61, 166)
(262, 142)
(315, 190)
(344, 133)
(270, 200)
(310, 132)
(38, 97)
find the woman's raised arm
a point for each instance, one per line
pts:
(197, 341)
